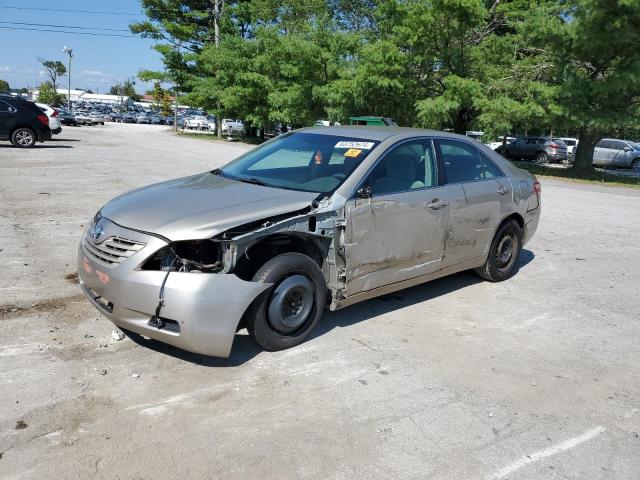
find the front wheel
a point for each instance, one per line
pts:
(23, 138)
(503, 253)
(635, 166)
(287, 314)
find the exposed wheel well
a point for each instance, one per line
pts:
(514, 216)
(266, 248)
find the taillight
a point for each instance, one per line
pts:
(44, 119)
(554, 145)
(55, 113)
(537, 187)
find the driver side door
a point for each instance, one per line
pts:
(395, 231)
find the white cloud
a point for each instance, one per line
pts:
(96, 73)
(6, 68)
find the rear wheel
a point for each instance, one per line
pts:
(23, 138)
(541, 158)
(287, 314)
(503, 253)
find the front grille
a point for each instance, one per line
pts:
(111, 252)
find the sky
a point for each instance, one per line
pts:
(98, 61)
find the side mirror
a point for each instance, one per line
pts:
(365, 192)
(627, 149)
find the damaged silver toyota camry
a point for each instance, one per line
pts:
(316, 218)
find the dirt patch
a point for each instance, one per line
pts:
(21, 425)
(72, 277)
(13, 310)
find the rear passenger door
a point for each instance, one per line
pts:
(488, 199)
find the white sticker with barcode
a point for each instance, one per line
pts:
(360, 145)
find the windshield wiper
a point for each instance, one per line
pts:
(253, 181)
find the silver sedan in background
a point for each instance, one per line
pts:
(316, 218)
(610, 152)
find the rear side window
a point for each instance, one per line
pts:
(490, 168)
(464, 163)
(4, 107)
(604, 144)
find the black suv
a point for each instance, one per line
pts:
(22, 122)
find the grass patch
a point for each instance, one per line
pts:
(594, 177)
(214, 138)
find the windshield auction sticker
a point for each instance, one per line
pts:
(357, 145)
(352, 152)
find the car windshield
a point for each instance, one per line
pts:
(308, 162)
(634, 145)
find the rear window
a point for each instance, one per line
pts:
(558, 142)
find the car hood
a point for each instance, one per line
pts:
(201, 206)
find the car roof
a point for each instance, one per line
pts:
(378, 133)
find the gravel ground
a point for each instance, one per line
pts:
(534, 378)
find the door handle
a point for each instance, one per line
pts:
(503, 190)
(437, 204)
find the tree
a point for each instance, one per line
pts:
(598, 63)
(46, 94)
(4, 86)
(125, 89)
(53, 69)
(161, 100)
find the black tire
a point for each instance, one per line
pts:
(635, 165)
(270, 331)
(498, 267)
(23, 138)
(541, 158)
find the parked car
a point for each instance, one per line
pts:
(83, 118)
(97, 118)
(370, 120)
(232, 127)
(610, 152)
(197, 122)
(142, 118)
(54, 122)
(572, 145)
(497, 145)
(129, 118)
(67, 118)
(538, 149)
(319, 217)
(22, 122)
(211, 123)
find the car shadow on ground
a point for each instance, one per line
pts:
(65, 140)
(244, 348)
(35, 147)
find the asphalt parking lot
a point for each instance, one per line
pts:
(534, 378)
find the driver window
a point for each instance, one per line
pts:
(408, 166)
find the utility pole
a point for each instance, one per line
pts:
(218, 5)
(69, 52)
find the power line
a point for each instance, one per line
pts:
(66, 26)
(66, 31)
(70, 11)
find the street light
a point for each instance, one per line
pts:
(69, 52)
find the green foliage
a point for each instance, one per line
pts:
(46, 94)
(125, 89)
(526, 66)
(161, 100)
(53, 69)
(4, 85)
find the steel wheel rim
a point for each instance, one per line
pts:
(542, 158)
(24, 138)
(291, 304)
(505, 250)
